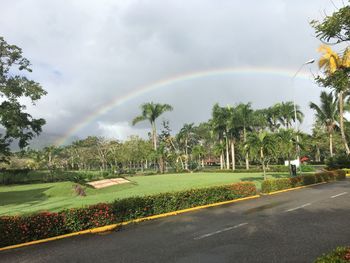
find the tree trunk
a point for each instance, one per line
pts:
(221, 161)
(50, 160)
(318, 154)
(289, 168)
(227, 154)
(247, 154)
(262, 162)
(331, 144)
(154, 135)
(233, 155)
(186, 154)
(341, 122)
(221, 156)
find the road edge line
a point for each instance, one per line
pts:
(114, 226)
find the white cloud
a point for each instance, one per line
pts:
(120, 130)
(86, 52)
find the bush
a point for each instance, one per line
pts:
(338, 161)
(26, 176)
(254, 169)
(272, 185)
(136, 207)
(339, 255)
(85, 218)
(19, 229)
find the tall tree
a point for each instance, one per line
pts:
(245, 117)
(327, 114)
(286, 145)
(336, 69)
(219, 125)
(287, 114)
(233, 132)
(17, 123)
(262, 145)
(151, 111)
(273, 114)
(335, 29)
(187, 134)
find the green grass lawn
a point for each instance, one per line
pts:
(21, 199)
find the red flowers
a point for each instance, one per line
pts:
(347, 255)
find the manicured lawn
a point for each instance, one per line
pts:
(22, 199)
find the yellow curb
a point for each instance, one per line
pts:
(88, 231)
(114, 226)
(291, 189)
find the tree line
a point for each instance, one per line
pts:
(234, 136)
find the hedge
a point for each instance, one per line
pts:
(256, 169)
(26, 176)
(339, 255)
(20, 229)
(272, 185)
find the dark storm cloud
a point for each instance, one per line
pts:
(86, 52)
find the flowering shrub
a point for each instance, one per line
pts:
(137, 207)
(19, 229)
(91, 217)
(339, 255)
(285, 183)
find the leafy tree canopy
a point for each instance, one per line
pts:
(334, 28)
(15, 123)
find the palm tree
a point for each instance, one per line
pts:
(332, 63)
(287, 114)
(262, 145)
(245, 116)
(273, 114)
(219, 126)
(287, 143)
(233, 132)
(151, 111)
(260, 120)
(198, 152)
(186, 134)
(327, 115)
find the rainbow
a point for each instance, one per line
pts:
(163, 83)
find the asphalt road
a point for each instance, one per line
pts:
(295, 226)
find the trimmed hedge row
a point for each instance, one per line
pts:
(20, 229)
(272, 185)
(339, 255)
(256, 169)
(26, 176)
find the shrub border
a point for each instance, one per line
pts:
(115, 226)
(293, 188)
(339, 254)
(316, 178)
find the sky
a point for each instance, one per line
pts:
(100, 60)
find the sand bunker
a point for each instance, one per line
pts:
(107, 182)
